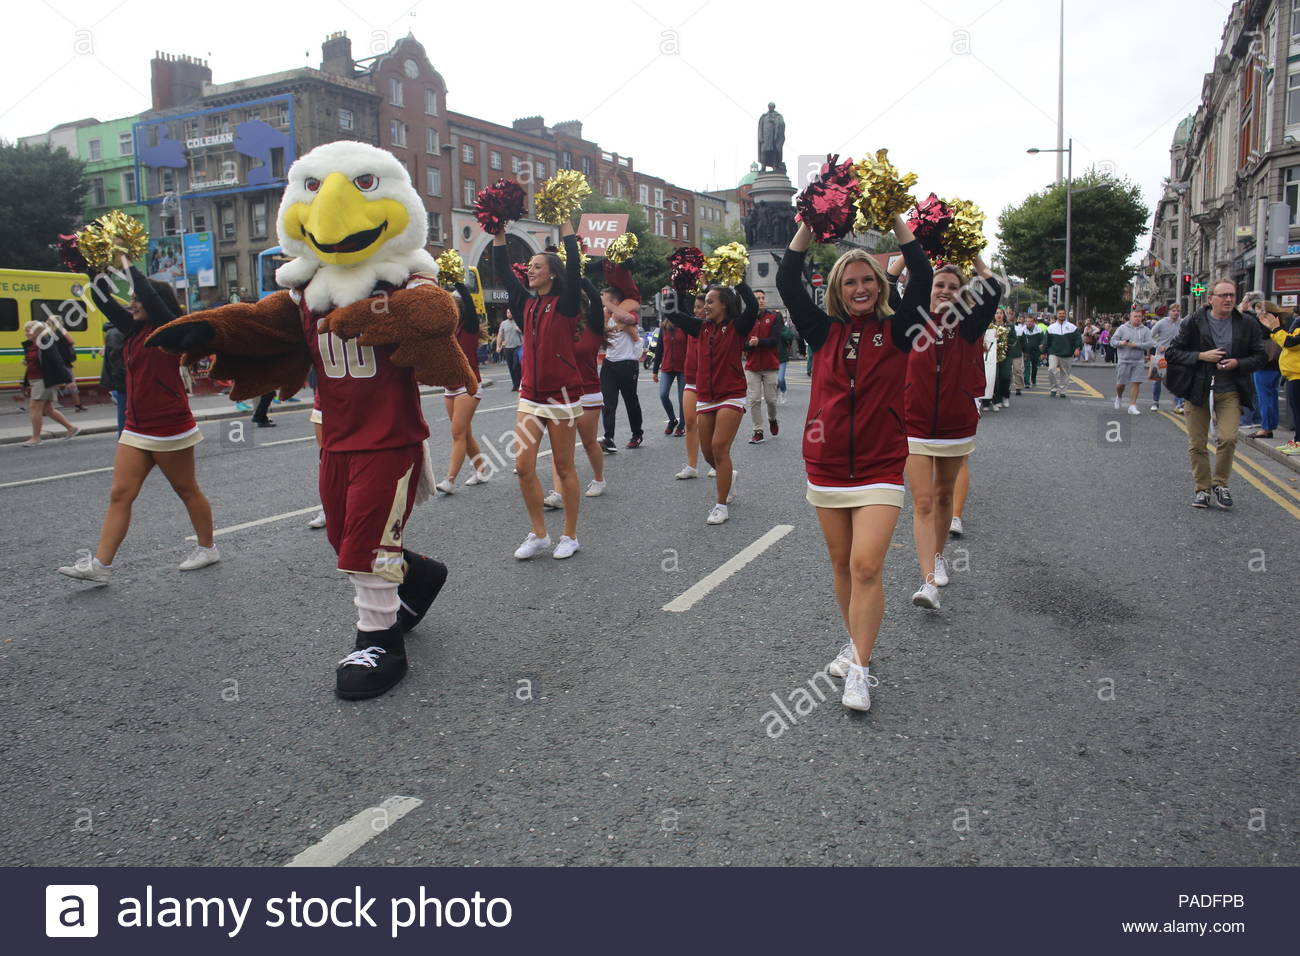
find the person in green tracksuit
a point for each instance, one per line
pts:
(1031, 341)
(783, 347)
(1063, 344)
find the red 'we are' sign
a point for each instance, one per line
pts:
(599, 229)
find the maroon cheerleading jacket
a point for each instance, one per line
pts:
(719, 373)
(671, 354)
(945, 372)
(156, 403)
(587, 348)
(467, 331)
(550, 373)
(854, 432)
(764, 356)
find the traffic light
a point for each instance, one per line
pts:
(1186, 287)
(1054, 296)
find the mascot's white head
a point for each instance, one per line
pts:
(351, 219)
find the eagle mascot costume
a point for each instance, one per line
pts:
(361, 305)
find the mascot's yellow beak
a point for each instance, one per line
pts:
(342, 225)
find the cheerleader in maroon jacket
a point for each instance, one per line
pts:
(690, 368)
(721, 392)
(160, 429)
(586, 350)
(854, 445)
(461, 405)
(550, 389)
(944, 373)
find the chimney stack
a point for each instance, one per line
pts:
(336, 55)
(177, 80)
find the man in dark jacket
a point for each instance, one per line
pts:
(113, 375)
(1210, 365)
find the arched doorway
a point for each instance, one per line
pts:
(494, 294)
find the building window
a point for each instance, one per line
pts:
(673, 229)
(198, 221)
(643, 194)
(125, 144)
(1293, 97)
(97, 191)
(540, 170)
(686, 207)
(620, 189)
(230, 273)
(659, 223)
(257, 219)
(1292, 190)
(168, 224)
(435, 228)
(494, 159)
(433, 181)
(470, 191)
(566, 160)
(467, 152)
(659, 199)
(128, 187)
(227, 218)
(96, 149)
(395, 91)
(397, 133)
(431, 102)
(277, 162)
(514, 164)
(345, 119)
(1295, 19)
(586, 165)
(431, 141)
(686, 232)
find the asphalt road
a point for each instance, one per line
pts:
(1110, 680)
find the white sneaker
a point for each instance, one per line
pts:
(1117, 403)
(1133, 410)
(940, 571)
(713, 473)
(927, 596)
(446, 486)
(73, 432)
(87, 568)
(532, 546)
(687, 472)
(478, 478)
(200, 558)
(1005, 403)
(566, 547)
(717, 515)
(318, 521)
(996, 408)
(595, 488)
(840, 666)
(553, 501)
(781, 399)
(735, 479)
(954, 527)
(857, 688)
(1155, 406)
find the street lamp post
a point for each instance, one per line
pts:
(1069, 209)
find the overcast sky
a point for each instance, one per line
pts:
(955, 90)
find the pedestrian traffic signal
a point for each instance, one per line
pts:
(1187, 283)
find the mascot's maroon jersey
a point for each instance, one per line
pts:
(367, 403)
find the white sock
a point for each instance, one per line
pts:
(102, 566)
(376, 602)
(860, 670)
(723, 507)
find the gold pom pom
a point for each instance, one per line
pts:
(582, 255)
(110, 235)
(622, 249)
(885, 193)
(451, 268)
(560, 196)
(963, 240)
(727, 265)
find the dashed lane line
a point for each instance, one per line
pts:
(714, 579)
(253, 524)
(70, 474)
(345, 839)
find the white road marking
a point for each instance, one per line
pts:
(253, 524)
(71, 474)
(689, 598)
(345, 839)
(284, 441)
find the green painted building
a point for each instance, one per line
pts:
(108, 150)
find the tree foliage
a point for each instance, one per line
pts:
(41, 193)
(650, 264)
(1108, 216)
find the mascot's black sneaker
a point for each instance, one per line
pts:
(424, 579)
(375, 667)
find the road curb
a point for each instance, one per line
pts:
(1263, 447)
(216, 415)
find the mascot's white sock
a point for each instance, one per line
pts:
(376, 602)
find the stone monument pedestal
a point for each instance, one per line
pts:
(771, 225)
